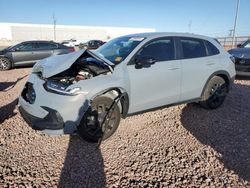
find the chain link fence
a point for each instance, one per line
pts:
(227, 41)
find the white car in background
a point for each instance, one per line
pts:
(71, 42)
(88, 92)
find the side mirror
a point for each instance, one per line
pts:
(16, 49)
(239, 45)
(144, 61)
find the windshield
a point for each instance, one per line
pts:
(118, 49)
(246, 44)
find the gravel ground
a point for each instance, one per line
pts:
(181, 146)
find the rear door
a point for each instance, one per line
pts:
(45, 49)
(23, 54)
(158, 84)
(197, 66)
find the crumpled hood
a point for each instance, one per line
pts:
(55, 64)
(240, 52)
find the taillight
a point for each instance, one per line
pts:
(71, 49)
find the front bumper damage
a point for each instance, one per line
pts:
(50, 112)
(53, 120)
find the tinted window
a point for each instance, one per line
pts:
(212, 50)
(44, 45)
(192, 48)
(27, 46)
(160, 50)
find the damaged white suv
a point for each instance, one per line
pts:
(87, 92)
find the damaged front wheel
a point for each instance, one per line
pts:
(101, 120)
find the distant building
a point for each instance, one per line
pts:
(17, 32)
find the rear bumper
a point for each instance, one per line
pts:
(242, 73)
(52, 120)
(242, 69)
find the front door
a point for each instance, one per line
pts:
(158, 84)
(24, 53)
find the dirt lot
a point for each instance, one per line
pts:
(181, 146)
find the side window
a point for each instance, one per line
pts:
(212, 50)
(44, 45)
(160, 50)
(91, 43)
(192, 48)
(27, 46)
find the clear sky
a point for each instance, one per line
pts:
(207, 17)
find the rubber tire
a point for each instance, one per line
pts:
(8, 64)
(82, 126)
(205, 102)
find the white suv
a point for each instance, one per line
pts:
(87, 92)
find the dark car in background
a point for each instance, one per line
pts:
(29, 52)
(91, 45)
(242, 58)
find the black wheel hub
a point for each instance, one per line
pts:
(217, 94)
(99, 121)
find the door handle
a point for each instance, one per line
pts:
(210, 63)
(173, 68)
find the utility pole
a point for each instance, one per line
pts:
(189, 26)
(235, 22)
(230, 34)
(54, 23)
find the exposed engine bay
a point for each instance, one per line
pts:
(84, 68)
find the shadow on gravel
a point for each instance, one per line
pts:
(226, 130)
(7, 111)
(83, 165)
(5, 85)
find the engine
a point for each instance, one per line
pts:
(82, 69)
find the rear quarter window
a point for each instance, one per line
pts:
(211, 49)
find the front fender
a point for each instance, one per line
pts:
(102, 84)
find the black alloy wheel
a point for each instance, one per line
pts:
(215, 93)
(99, 122)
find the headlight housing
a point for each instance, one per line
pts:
(61, 88)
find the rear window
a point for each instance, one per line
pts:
(212, 50)
(192, 48)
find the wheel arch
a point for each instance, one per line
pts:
(223, 74)
(113, 92)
